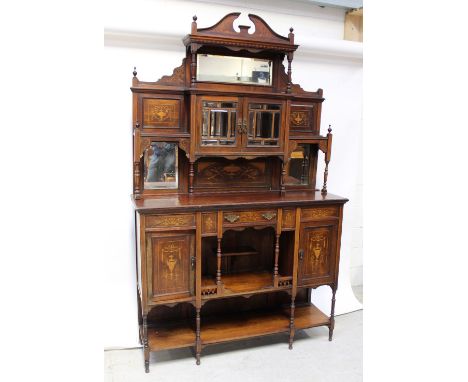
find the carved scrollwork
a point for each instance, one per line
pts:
(184, 145)
(177, 78)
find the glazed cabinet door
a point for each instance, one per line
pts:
(263, 123)
(171, 265)
(317, 253)
(219, 124)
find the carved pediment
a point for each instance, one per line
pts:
(177, 78)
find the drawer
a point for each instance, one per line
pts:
(319, 212)
(255, 217)
(170, 221)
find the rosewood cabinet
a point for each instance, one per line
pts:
(232, 233)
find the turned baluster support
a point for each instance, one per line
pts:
(291, 324)
(191, 177)
(327, 159)
(193, 51)
(198, 338)
(277, 250)
(218, 267)
(290, 58)
(331, 326)
(145, 343)
(283, 177)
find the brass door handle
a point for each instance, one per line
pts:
(240, 126)
(301, 254)
(244, 126)
(231, 218)
(269, 215)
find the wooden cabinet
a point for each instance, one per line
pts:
(317, 253)
(171, 265)
(232, 235)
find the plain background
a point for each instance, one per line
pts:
(54, 188)
(323, 60)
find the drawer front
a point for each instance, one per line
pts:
(319, 212)
(170, 221)
(209, 223)
(289, 219)
(249, 217)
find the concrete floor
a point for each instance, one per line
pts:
(313, 358)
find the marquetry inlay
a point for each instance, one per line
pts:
(160, 113)
(161, 221)
(171, 256)
(311, 213)
(209, 223)
(288, 218)
(300, 118)
(318, 244)
(250, 217)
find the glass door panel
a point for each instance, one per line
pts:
(218, 127)
(264, 124)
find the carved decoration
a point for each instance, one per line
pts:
(311, 213)
(177, 78)
(231, 171)
(159, 221)
(184, 145)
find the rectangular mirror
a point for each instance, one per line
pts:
(161, 166)
(264, 124)
(242, 70)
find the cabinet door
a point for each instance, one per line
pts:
(264, 125)
(317, 253)
(170, 265)
(217, 124)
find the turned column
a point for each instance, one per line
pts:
(191, 177)
(218, 266)
(198, 338)
(146, 352)
(331, 325)
(327, 159)
(291, 323)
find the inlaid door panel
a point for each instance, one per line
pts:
(170, 265)
(317, 253)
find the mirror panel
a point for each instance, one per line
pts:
(218, 123)
(298, 167)
(161, 166)
(264, 124)
(241, 70)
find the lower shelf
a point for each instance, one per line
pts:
(229, 328)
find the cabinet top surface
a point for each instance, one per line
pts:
(241, 200)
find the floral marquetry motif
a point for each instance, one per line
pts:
(289, 218)
(160, 221)
(209, 224)
(311, 213)
(299, 118)
(160, 113)
(317, 253)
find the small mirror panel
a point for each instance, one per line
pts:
(298, 167)
(241, 70)
(161, 166)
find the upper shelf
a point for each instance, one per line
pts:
(224, 34)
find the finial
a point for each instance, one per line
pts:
(291, 29)
(134, 71)
(137, 124)
(194, 18)
(329, 129)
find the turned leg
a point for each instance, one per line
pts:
(145, 344)
(198, 343)
(275, 268)
(331, 326)
(218, 262)
(291, 325)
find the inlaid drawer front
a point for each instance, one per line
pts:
(319, 212)
(165, 221)
(262, 216)
(289, 217)
(209, 223)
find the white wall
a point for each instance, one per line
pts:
(147, 34)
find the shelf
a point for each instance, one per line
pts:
(176, 335)
(242, 282)
(242, 251)
(255, 324)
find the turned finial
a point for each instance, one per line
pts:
(194, 18)
(329, 129)
(291, 29)
(134, 71)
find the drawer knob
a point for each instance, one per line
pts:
(269, 215)
(231, 218)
